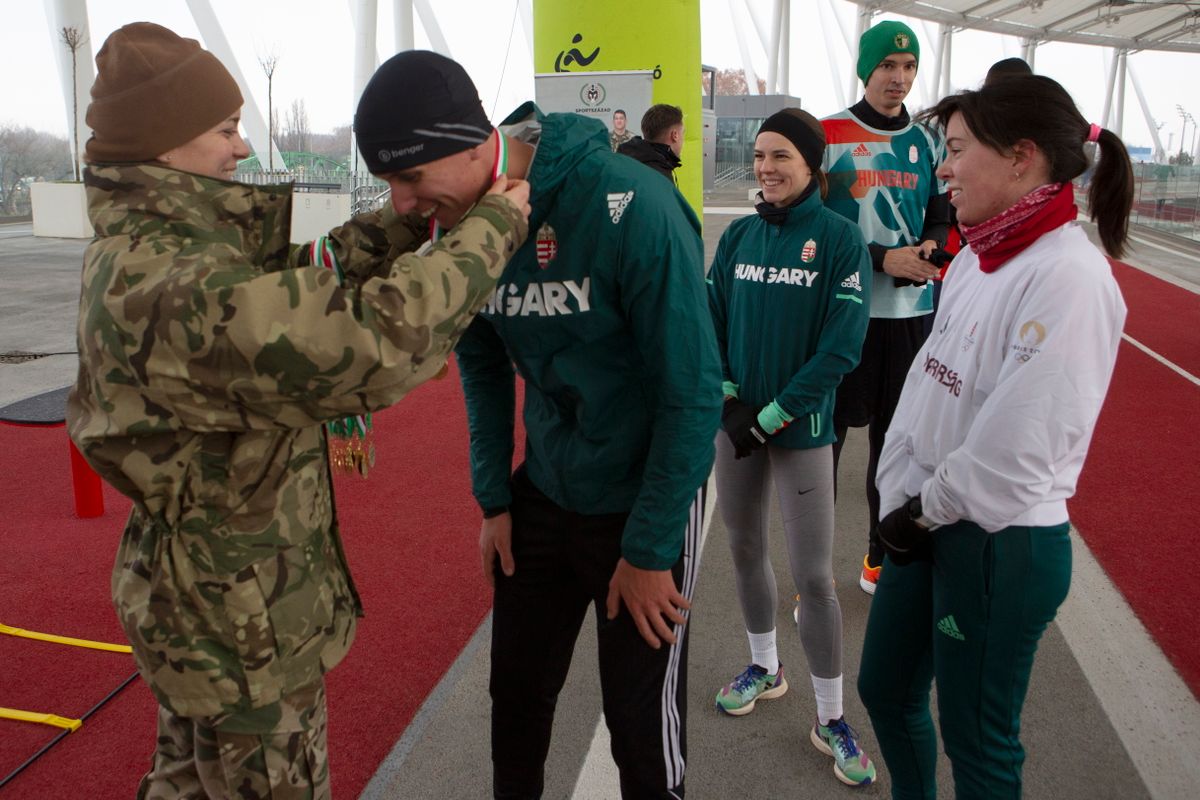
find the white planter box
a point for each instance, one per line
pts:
(60, 210)
(314, 214)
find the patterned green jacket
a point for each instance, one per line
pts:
(210, 356)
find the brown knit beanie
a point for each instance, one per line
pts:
(154, 91)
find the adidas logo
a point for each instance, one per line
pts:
(948, 626)
(617, 203)
(852, 283)
(861, 151)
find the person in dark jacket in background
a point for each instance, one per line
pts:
(604, 318)
(661, 141)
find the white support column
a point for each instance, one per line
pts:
(214, 39)
(947, 59)
(824, 10)
(785, 49)
(744, 50)
(526, 7)
(1109, 91)
(932, 47)
(864, 22)
(1029, 52)
(764, 38)
(402, 22)
(935, 83)
(366, 21)
(773, 48)
(437, 39)
(73, 14)
(1121, 67)
(1137, 90)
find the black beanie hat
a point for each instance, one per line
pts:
(801, 129)
(419, 106)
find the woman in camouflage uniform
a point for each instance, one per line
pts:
(211, 354)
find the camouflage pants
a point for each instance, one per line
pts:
(277, 752)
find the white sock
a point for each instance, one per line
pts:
(829, 698)
(763, 651)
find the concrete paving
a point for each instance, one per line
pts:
(1106, 717)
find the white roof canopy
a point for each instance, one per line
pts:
(1123, 24)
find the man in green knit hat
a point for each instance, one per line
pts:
(881, 166)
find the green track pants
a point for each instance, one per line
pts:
(971, 620)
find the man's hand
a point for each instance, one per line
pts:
(650, 595)
(515, 190)
(495, 536)
(907, 262)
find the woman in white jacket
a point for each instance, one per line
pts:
(990, 436)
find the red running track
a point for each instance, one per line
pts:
(1138, 496)
(411, 536)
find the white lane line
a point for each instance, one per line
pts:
(598, 778)
(737, 211)
(1172, 250)
(1151, 709)
(1169, 364)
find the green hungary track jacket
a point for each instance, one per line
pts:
(790, 303)
(603, 313)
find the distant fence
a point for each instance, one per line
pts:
(365, 190)
(1167, 198)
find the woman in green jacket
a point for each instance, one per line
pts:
(789, 298)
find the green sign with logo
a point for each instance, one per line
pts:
(619, 35)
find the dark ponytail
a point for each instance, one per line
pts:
(1110, 195)
(1037, 108)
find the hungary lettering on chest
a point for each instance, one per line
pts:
(546, 299)
(793, 276)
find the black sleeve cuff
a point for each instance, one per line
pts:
(488, 513)
(877, 252)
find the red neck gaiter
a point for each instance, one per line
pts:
(998, 239)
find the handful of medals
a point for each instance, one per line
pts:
(351, 447)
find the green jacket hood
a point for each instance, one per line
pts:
(569, 139)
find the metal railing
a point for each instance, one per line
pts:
(308, 180)
(1167, 198)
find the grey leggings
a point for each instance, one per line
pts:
(804, 482)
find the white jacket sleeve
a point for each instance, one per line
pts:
(1027, 443)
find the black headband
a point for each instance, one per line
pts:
(801, 129)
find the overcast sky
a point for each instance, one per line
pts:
(313, 39)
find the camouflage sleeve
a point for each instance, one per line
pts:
(225, 346)
(366, 245)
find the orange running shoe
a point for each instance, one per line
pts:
(869, 577)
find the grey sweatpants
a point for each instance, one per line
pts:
(803, 480)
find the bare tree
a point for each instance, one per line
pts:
(268, 64)
(333, 145)
(73, 39)
(26, 154)
(733, 82)
(296, 132)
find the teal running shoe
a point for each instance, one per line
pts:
(850, 764)
(739, 696)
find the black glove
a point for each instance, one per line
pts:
(903, 539)
(938, 257)
(740, 422)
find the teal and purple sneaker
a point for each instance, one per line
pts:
(739, 696)
(850, 764)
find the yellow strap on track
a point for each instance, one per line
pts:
(49, 637)
(43, 719)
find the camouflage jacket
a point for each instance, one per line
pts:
(210, 355)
